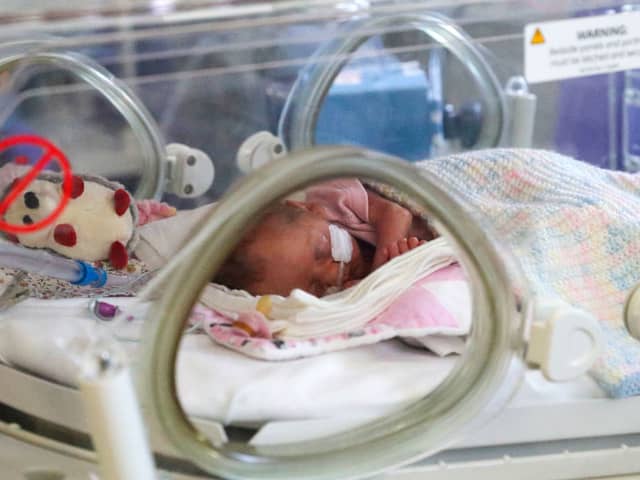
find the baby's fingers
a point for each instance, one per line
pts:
(413, 242)
(403, 245)
(394, 251)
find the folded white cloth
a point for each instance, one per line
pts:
(160, 240)
(302, 315)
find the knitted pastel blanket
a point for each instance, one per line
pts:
(575, 229)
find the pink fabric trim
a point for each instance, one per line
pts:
(345, 202)
(409, 311)
(418, 307)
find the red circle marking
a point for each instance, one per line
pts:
(50, 152)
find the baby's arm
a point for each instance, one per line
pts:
(391, 223)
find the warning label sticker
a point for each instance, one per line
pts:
(582, 46)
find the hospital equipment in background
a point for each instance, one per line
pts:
(176, 168)
(213, 76)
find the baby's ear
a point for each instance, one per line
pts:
(318, 209)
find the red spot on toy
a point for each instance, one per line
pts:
(12, 238)
(118, 255)
(21, 160)
(77, 186)
(121, 201)
(65, 234)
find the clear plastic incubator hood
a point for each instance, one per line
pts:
(464, 114)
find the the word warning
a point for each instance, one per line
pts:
(581, 46)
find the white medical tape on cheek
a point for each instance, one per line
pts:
(341, 246)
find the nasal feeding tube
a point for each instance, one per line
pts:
(341, 249)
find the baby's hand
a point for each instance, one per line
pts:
(152, 210)
(383, 255)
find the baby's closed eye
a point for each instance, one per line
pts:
(322, 250)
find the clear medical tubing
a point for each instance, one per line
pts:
(475, 389)
(23, 54)
(299, 116)
(38, 261)
(45, 263)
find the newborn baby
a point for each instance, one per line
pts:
(336, 236)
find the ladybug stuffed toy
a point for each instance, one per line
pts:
(98, 223)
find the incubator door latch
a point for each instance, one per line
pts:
(190, 171)
(564, 340)
(464, 124)
(632, 313)
(521, 105)
(258, 150)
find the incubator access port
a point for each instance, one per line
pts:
(564, 340)
(258, 150)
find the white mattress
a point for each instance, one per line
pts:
(308, 397)
(48, 338)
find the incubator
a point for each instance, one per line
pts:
(206, 114)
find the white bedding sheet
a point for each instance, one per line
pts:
(220, 384)
(47, 337)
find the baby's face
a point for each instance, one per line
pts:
(298, 255)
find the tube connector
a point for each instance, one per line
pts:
(90, 275)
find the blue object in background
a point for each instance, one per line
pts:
(599, 120)
(30, 154)
(589, 119)
(631, 121)
(379, 103)
(598, 117)
(391, 110)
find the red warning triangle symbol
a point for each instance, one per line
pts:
(537, 38)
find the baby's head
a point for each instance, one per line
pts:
(289, 248)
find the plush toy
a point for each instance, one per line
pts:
(98, 223)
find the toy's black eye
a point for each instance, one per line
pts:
(31, 200)
(27, 220)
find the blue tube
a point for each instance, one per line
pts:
(90, 275)
(45, 263)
